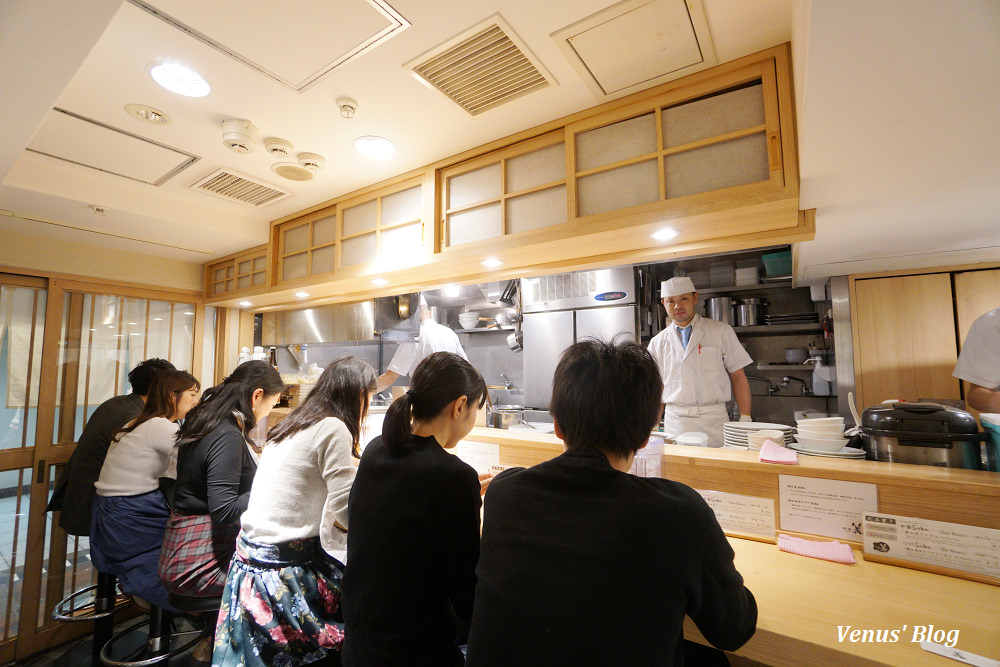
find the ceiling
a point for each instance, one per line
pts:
(897, 113)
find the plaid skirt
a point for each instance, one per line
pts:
(195, 555)
(281, 606)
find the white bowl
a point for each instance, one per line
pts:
(822, 444)
(829, 431)
(758, 437)
(821, 420)
(469, 320)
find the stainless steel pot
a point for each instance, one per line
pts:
(505, 416)
(750, 312)
(719, 308)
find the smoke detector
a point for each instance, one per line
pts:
(278, 147)
(348, 106)
(239, 136)
(312, 161)
(292, 171)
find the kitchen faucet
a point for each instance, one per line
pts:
(507, 384)
(785, 381)
(770, 385)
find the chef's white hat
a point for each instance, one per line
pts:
(676, 287)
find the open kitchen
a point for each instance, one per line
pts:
(782, 213)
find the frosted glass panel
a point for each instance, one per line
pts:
(474, 186)
(182, 338)
(219, 288)
(619, 188)
(402, 206)
(360, 218)
(545, 165)
(401, 241)
(712, 116)
(296, 266)
(536, 210)
(258, 278)
(475, 225)
(260, 263)
(325, 231)
(619, 141)
(295, 240)
(244, 267)
(717, 166)
(220, 274)
(158, 330)
(324, 259)
(243, 282)
(359, 250)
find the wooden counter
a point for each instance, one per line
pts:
(801, 600)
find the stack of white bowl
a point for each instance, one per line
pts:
(823, 435)
(469, 320)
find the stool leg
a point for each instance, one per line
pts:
(158, 642)
(104, 600)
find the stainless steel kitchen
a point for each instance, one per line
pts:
(788, 208)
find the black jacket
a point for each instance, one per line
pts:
(584, 565)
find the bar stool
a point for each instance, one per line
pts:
(107, 599)
(161, 635)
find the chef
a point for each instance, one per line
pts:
(701, 362)
(979, 363)
(433, 337)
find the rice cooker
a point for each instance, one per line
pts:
(922, 433)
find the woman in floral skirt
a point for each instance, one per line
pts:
(281, 604)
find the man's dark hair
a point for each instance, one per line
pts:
(143, 375)
(606, 396)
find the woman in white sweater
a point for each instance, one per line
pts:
(130, 514)
(281, 603)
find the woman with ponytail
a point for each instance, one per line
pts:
(281, 605)
(215, 468)
(414, 516)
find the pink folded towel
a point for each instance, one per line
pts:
(772, 452)
(836, 551)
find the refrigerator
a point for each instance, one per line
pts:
(565, 308)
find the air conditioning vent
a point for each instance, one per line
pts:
(482, 68)
(236, 187)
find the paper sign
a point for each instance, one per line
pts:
(480, 455)
(947, 545)
(742, 514)
(825, 506)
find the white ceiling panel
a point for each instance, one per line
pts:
(67, 136)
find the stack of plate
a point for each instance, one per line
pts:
(845, 453)
(792, 318)
(735, 433)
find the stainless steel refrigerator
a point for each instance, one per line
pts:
(562, 309)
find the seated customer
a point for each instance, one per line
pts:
(414, 525)
(74, 493)
(281, 604)
(130, 513)
(583, 564)
(215, 469)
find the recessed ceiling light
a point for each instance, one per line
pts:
(147, 114)
(245, 304)
(188, 312)
(179, 79)
(491, 262)
(302, 295)
(379, 281)
(664, 234)
(155, 319)
(375, 148)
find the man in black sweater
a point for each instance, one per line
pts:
(583, 564)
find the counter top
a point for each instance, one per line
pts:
(802, 601)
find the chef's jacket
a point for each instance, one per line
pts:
(698, 375)
(433, 337)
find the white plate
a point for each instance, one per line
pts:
(822, 444)
(756, 426)
(845, 453)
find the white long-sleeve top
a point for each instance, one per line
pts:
(136, 460)
(302, 487)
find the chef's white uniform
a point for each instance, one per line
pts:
(433, 337)
(979, 361)
(696, 383)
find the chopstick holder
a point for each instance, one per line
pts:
(772, 452)
(834, 551)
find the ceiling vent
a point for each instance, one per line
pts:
(236, 187)
(482, 68)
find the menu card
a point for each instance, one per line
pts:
(825, 507)
(480, 455)
(747, 515)
(936, 543)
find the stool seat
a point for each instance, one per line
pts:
(195, 604)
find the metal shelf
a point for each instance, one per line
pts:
(785, 367)
(780, 329)
(777, 285)
(484, 329)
